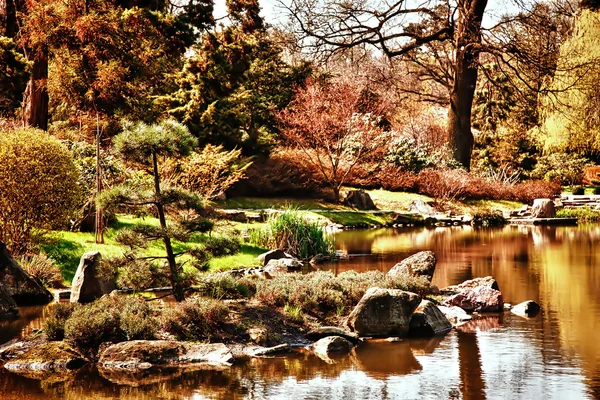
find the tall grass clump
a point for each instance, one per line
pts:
(292, 233)
(584, 214)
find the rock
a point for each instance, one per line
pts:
(527, 308)
(282, 265)
(50, 357)
(23, 288)
(259, 335)
(359, 199)
(272, 255)
(267, 351)
(326, 347)
(233, 215)
(420, 207)
(319, 259)
(455, 315)
(383, 312)
(393, 339)
(138, 355)
(428, 320)
(8, 307)
(481, 298)
(487, 281)
(328, 331)
(543, 208)
(87, 285)
(419, 264)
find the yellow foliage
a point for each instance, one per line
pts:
(38, 186)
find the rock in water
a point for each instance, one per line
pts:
(383, 312)
(326, 347)
(87, 285)
(419, 264)
(487, 281)
(8, 307)
(326, 331)
(23, 288)
(272, 255)
(359, 199)
(455, 315)
(527, 308)
(428, 320)
(481, 298)
(52, 357)
(143, 354)
(543, 208)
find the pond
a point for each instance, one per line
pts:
(555, 355)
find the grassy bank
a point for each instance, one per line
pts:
(66, 248)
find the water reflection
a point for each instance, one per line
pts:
(554, 355)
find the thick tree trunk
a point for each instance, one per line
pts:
(8, 18)
(173, 270)
(36, 95)
(468, 38)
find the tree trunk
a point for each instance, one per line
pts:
(468, 38)
(36, 95)
(8, 18)
(173, 271)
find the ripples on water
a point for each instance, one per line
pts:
(553, 356)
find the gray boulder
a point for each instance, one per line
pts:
(282, 265)
(428, 320)
(272, 255)
(479, 299)
(383, 312)
(359, 199)
(420, 207)
(330, 345)
(527, 308)
(455, 315)
(23, 288)
(543, 208)
(419, 264)
(138, 355)
(8, 307)
(87, 285)
(487, 281)
(327, 331)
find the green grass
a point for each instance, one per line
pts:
(351, 218)
(66, 248)
(584, 214)
(255, 203)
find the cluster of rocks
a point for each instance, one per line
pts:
(541, 208)
(276, 262)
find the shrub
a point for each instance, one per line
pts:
(486, 220)
(583, 214)
(195, 318)
(38, 186)
(109, 319)
(527, 191)
(578, 190)
(596, 190)
(290, 232)
(446, 184)
(210, 171)
(42, 267)
(568, 168)
(54, 324)
(223, 285)
(222, 246)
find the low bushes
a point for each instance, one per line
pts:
(196, 318)
(222, 246)
(583, 214)
(290, 232)
(54, 324)
(42, 267)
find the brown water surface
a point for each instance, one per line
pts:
(555, 355)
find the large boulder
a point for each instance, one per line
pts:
(359, 199)
(420, 207)
(330, 345)
(481, 298)
(383, 312)
(8, 307)
(327, 331)
(419, 264)
(272, 255)
(23, 288)
(428, 320)
(274, 267)
(527, 308)
(51, 357)
(87, 285)
(543, 208)
(144, 354)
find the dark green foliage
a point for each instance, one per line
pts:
(567, 168)
(196, 318)
(578, 190)
(487, 220)
(596, 190)
(110, 319)
(583, 214)
(590, 4)
(223, 285)
(13, 76)
(54, 324)
(222, 246)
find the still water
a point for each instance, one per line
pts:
(555, 355)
